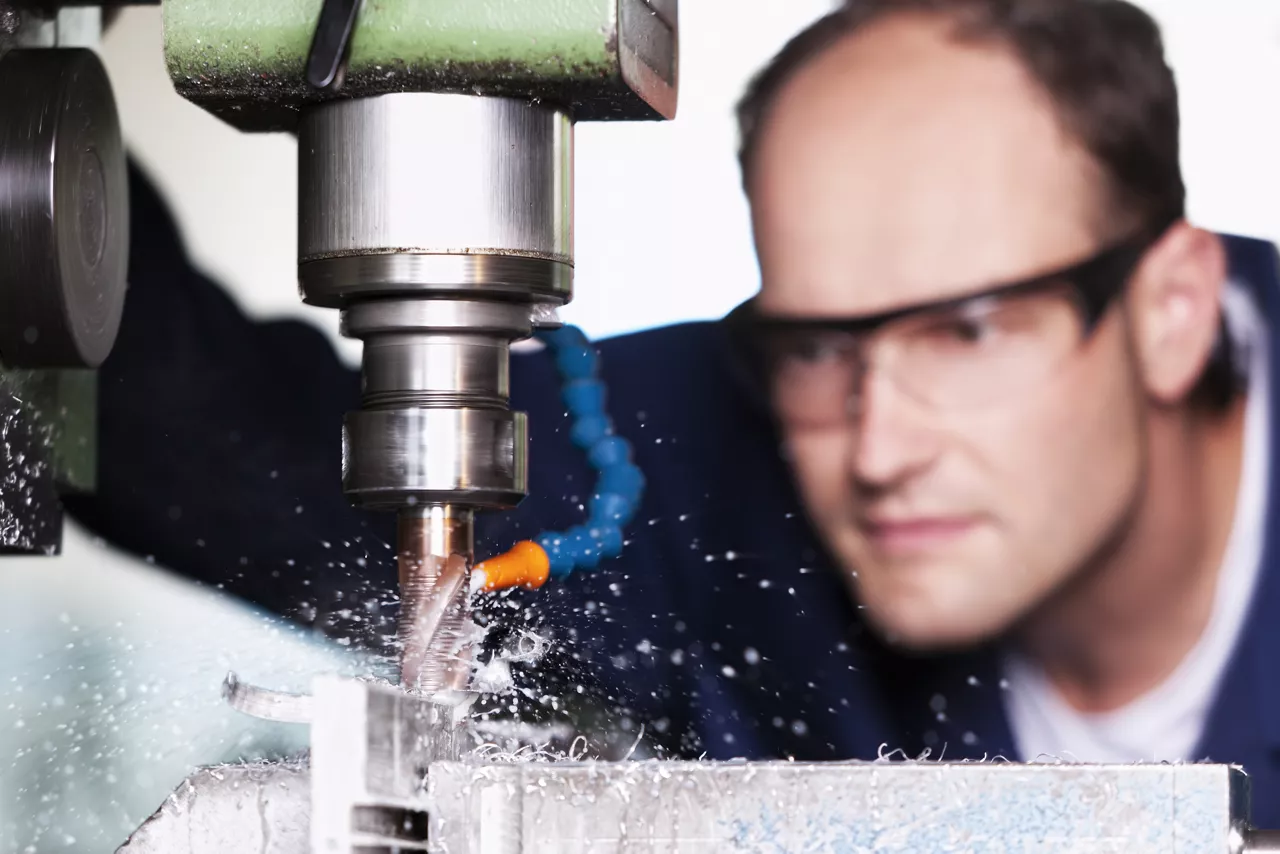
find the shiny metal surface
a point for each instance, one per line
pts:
(508, 320)
(401, 457)
(648, 51)
(232, 809)
(335, 282)
(435, 547)
(437, 174)
(435, 371)
(371, 746)
(883, 807)
(66, 27)
(667, 10)
(64, 229)
(436, 353)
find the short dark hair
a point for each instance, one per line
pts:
(1101, 63)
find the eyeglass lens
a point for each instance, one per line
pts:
(975, 354)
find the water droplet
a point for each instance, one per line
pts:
(751, 656)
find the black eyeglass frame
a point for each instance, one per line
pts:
(1093, 284)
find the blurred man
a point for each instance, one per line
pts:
(1021, 502)
(985, 325)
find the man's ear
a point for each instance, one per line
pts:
(1175, 309)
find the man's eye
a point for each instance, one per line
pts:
(815, 350)
(968, 330)
(971, 324)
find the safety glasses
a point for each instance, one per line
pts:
(953, 354)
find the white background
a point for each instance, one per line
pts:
(662, 237)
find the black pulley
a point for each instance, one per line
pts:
(64, 226)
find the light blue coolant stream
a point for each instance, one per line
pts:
(110, 692)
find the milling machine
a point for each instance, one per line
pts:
(435, 212)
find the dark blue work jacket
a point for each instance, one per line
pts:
(723, 626)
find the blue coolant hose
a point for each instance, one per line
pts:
(619, 483)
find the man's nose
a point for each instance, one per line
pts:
(893, 437)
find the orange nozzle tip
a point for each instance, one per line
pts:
(525, 565)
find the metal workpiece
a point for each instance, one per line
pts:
(386, 772)
(371, 747)
(708, 808)
(232, 809)
(404, 457)
(430, 174)
(64, 226)
(247, 61)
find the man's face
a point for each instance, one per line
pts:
(901, 167)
